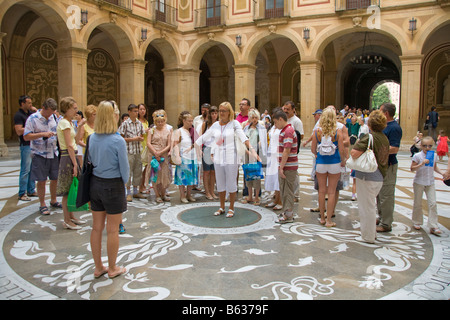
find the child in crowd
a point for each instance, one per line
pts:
(257, 136)
(424, 164)
(288, 160)
(442, 147)
(417, 143)
(133, 131)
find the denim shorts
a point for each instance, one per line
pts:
(108, 195)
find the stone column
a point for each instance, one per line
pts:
(409, 109)
(310, 73)
(132, 83)
(72, 74)
(3, 147)
(244, 84)
(181, 92)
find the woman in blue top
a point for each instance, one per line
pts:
(328, 147)
(108, 154)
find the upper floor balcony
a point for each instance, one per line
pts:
(161, 12)
(342, 5)
(124, 4)
(213, 14)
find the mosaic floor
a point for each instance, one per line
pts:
(180, 251)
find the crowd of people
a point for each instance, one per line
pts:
(132, 156)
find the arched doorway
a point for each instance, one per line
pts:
(216, 76)
(29, 56)
(356, 62)
(436, 77)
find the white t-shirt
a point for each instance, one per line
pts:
(296, 123)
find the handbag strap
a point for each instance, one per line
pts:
(370, 142)
(86, 152)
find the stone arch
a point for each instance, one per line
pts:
(256, 42)
(119, 32)
(165, 47)
(333, 32)
(198, 49)
(426, 30)
(54, 13)
(23, 22)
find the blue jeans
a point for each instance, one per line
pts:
(25, 183)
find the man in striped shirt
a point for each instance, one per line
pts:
(133, 131)
(288, 165)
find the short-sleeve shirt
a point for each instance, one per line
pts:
(20, 118)
(37, 123)
(65, 124)
(297, 124)
(130, 129)
(393, 132)
(425, 174)
(288, 139)
(241, 119)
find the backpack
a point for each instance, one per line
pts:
(326, 146)
(299, 136)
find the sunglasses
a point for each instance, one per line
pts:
(427, 146)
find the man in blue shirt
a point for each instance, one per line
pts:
(386, 197)
(40, 130)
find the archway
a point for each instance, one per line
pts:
(29, 54)
(102, 80)
(216, 76)
(354, 81)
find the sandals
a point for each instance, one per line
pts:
(56, 204)
(159, 200)
(24, 197)
(435, 231)
(278, 207)
(230, 213)
(283, 218)
(219, 212)
(44, 210)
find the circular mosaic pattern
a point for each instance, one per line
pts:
(203, 217)
(198, 218)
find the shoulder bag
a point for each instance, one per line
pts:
(366, 162)
(84, 179)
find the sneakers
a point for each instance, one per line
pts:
(129, 198)
(121, 229)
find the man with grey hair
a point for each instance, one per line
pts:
(40, 129)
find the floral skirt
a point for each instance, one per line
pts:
(186, 174)
(65, 174)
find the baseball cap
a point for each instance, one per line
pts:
(318, 111)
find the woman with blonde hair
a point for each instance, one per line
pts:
(225, 154)
(158, 144)
(68, 164)
(86, 127)
(108, 154)
(328, 147)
